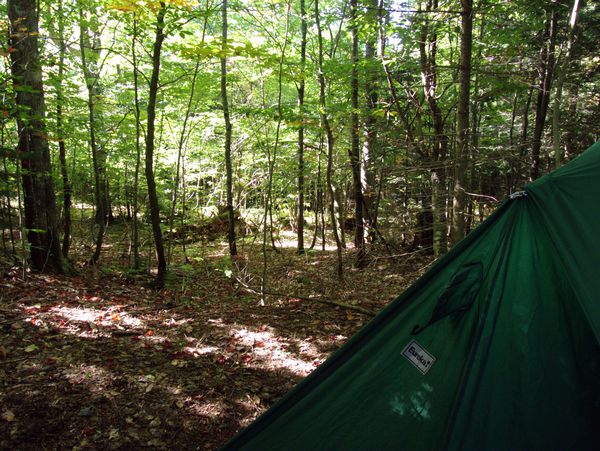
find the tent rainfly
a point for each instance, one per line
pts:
(497, 347)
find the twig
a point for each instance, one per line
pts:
(403, 255)
(6, 362)
(304, 298)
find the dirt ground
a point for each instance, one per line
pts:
(100, 361)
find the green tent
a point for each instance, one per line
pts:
(496, 347)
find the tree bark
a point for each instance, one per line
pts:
(41, 219)
(180, 144)
(428, 63)
(330, 143)
(546, 70)
(462, 122)
(301, 92)
(152, 196)
(563, 68)
(92, 76)
(370, 144)
(228, 167)
(354, 150)
(66, 185)
(136, 176)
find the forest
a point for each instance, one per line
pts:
(200, 200)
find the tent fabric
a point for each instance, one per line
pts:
(497, 346)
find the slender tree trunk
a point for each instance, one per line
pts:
(319, 199)
(301, 92)
(354, 150)
(152, 196)
(546, 70)
(271, 161)
(428, 62)
(462, 122)
(228, 168)
(41, 218)
(183, 207)
(8, 195)
(138, 152)
(91, 75)
(370, 128)
(563, 68)
(180, 145)
(330, 143)
(66, 185)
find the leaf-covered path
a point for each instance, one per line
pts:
(100, 362)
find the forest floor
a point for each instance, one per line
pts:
(100, 361)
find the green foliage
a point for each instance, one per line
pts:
(506, 61)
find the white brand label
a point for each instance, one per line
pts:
(418, 356)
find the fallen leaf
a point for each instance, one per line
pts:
(8, 415)
(31, 348)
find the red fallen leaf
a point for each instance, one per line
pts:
(87, 431)
(260, 344)
(149, 333)
(62, 323)
(33, 320)
(316, 363)
(294, 300)
(221, 359)
(262, 328)
(116, 317)
(246, 358)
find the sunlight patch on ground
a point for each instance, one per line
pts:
(200, 350)
(209, 409)
(266, 349)
(95, 378)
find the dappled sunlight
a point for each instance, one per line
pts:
(263, 349)
(93, 377)
(287, 239)
(83, 321)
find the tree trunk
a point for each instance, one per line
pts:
(92, 77)
(228, 168)
(180, 144)
(354, 150)
(138, 152)
(152, 196)
(8, 196)
(563, 68)
(462, 122)
(330, 143)
(301, 89)
(41, 219)
(66, 185)
(546, 70)
(440, 145)
(369, 147)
